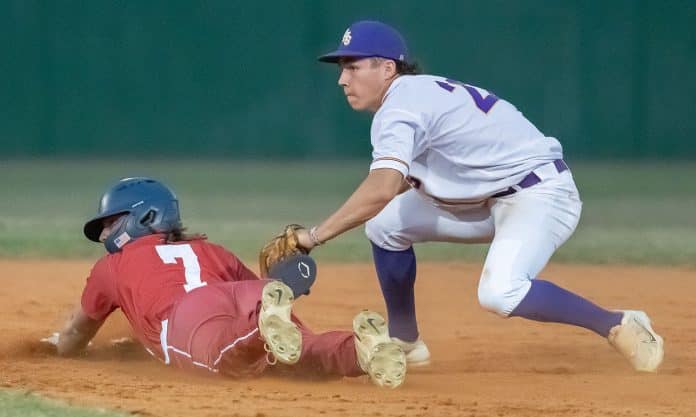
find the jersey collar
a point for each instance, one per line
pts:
(391, 88)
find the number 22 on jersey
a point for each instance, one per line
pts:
(483, 103)
(192, 269)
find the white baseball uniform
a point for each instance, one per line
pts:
(460, 147)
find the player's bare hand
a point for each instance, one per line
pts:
(304, 239)
(51, 340)
(124, 343)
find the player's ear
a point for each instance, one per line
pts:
(389, 68)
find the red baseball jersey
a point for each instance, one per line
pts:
(148, 276)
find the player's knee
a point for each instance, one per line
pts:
(501, 294)
(491, 300)
(385, 236)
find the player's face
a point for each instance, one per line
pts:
(365, 81)
(109, 224)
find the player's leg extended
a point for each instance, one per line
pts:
(406, 220)
(366, 350)
(328, 354)
(530, 226)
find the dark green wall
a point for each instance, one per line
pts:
(239, 79)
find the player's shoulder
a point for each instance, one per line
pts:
(104, 266)
(414, 82)
(412, 90)
(103, 261)
(409, 97)
(402, 93)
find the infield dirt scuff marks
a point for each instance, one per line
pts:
(482, 365)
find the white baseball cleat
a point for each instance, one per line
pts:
(637, 341)
(283, 338)
(383, 360)
(417, 353)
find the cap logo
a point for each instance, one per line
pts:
(346, 37)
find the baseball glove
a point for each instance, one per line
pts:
(280, 248)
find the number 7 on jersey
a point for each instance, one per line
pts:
(192, 269)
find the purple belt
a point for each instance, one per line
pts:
(531, 179)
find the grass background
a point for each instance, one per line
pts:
(25, 404)
(634, 212)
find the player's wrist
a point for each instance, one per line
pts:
(314, 237)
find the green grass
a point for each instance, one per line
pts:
(14, 404)
(634, 212)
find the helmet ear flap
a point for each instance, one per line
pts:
(119, 235)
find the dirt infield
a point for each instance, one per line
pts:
(483, 365)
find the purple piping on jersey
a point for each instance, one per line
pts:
(531, 179)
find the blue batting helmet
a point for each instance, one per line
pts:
(148, 206)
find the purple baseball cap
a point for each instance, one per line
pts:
(368, 38)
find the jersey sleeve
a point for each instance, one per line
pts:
(98, 298)
(393, 135)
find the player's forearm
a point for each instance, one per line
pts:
(375, 192)
(77, 333)
(352, 214)
(72, 342)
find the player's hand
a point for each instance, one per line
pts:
(122, 342)
(51, 340)
(54, 338)
(304, 239)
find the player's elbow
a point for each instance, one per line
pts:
(383, 197)
(385, 184)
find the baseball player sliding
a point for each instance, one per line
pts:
(454, 162)
(196, 306)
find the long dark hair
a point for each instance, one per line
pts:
(402, 67)
(407, 68)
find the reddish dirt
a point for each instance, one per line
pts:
(482, 365)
